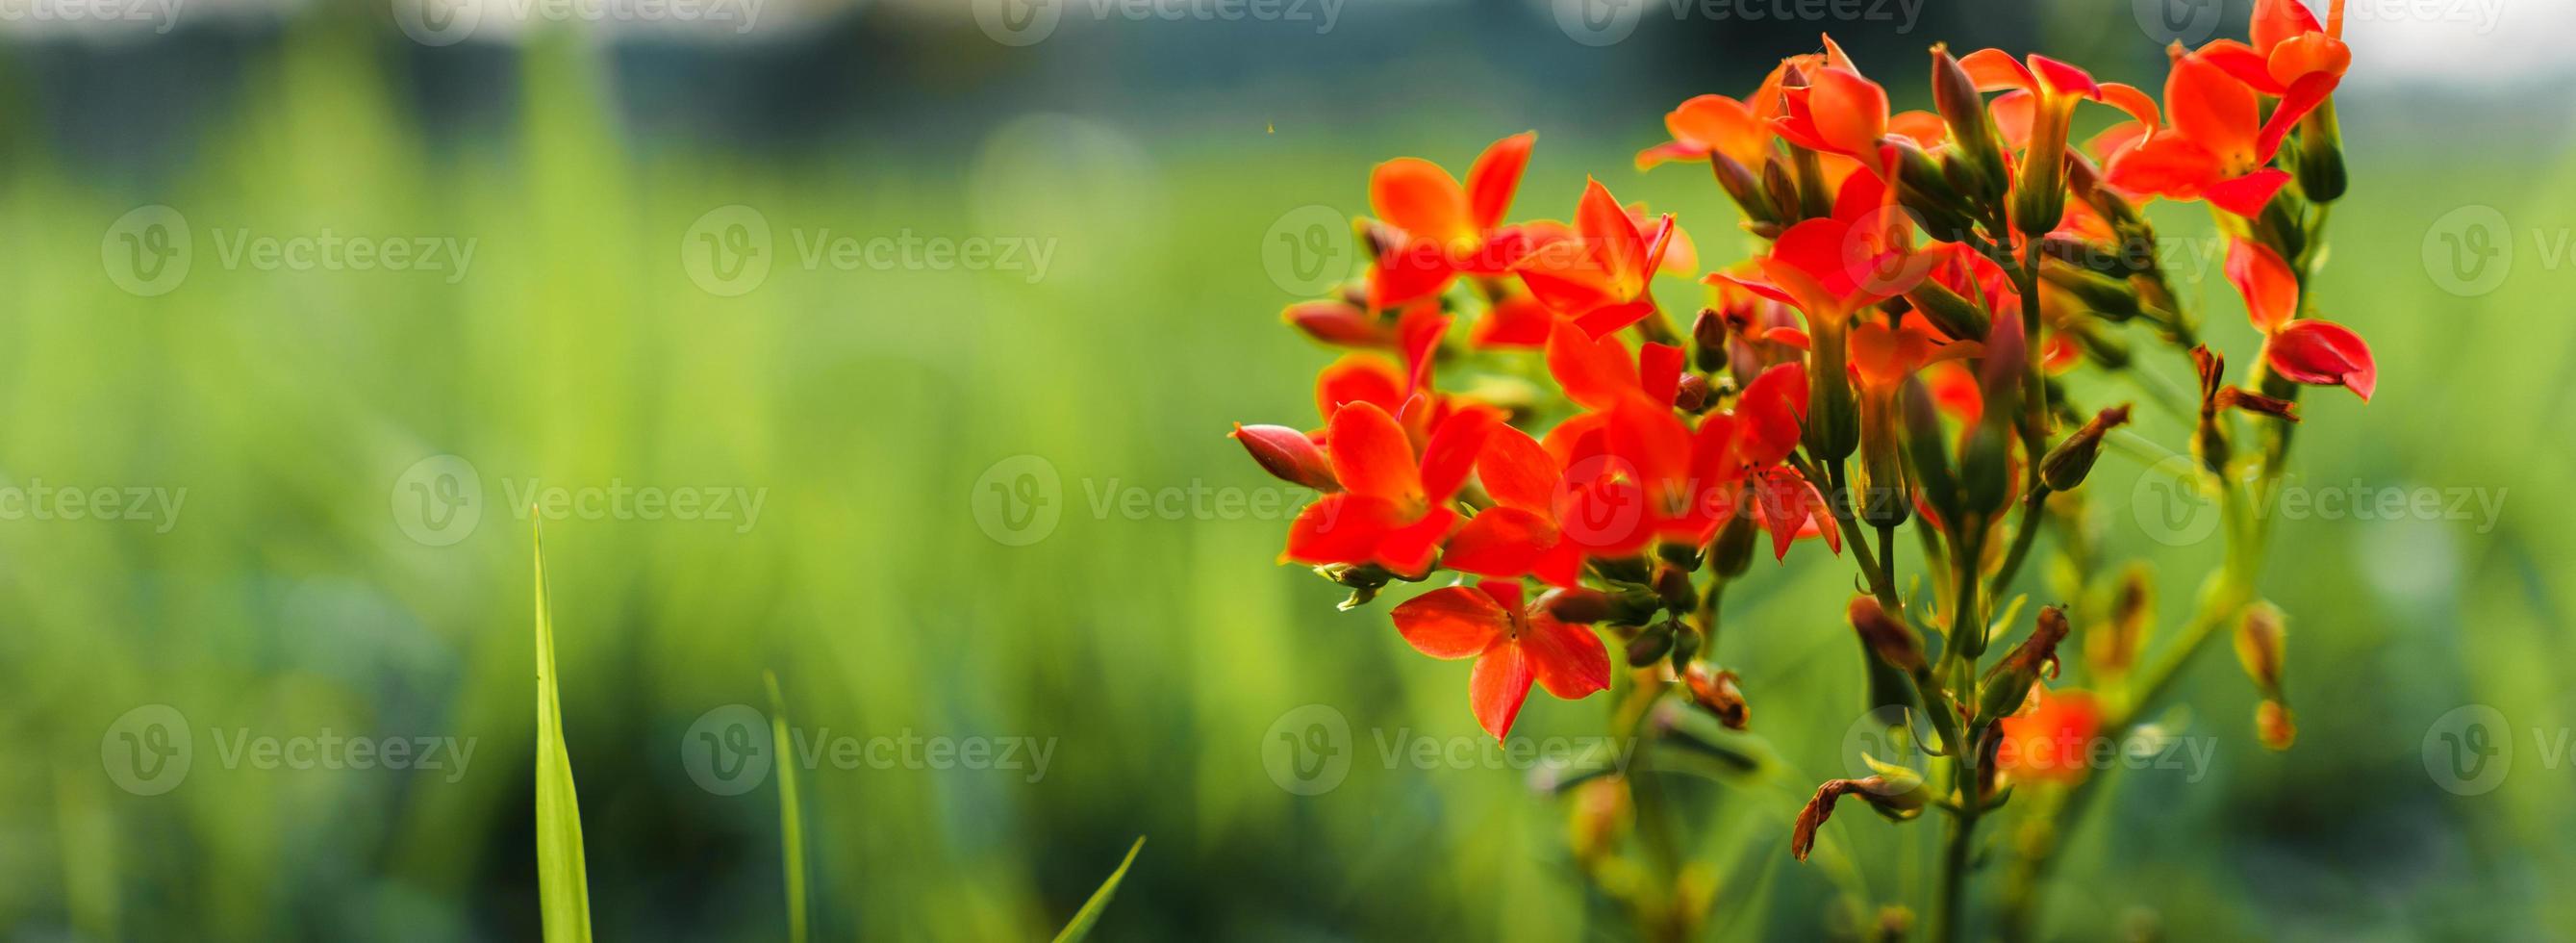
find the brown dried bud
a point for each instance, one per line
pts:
(2113, 649)
(1891, 792)
(2008, 682)
(1894, 642)
(1692, 396)
(2237, 397)
(1716, 691)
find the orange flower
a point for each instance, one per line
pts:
(2216, 148)
(1599, 273)
(2293, 57)
(2049, 739)
(1711, 124)
(1513, 644)
(1828, 268)
(1443, 229)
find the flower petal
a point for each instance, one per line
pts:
(1594, 372)
(1517, 471)
(1453, 448)
(1497, 687)
(1495, 175)
(2271, 294)
(1372, 456)
(1451, 622)
(1418, 197)
(1569, 660)
(1500, 541)
(2323, 353)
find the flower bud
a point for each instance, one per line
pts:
(2320, 163)
(1894, 642)
(1581, 606)
(2066, 465)
(1881, 498)
(2234, 397)
(2274, 726)
(1716, 692)
(1927, 446)
(1692, 395)
(1686, 643)
(1650, 645)
(2039, 197)
(1732, 552)
(1709, 340)
(1597, 816)
(2008, 682)
(1673, 585)
(1954, 315)
(1963, 108)
(1339, 323)
(1833, 420)
(2209, 439)
(2114, 299)
(2259, 641)
(1288, 455)
(1782, 188)
(1740, 184)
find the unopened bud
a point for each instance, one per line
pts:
(2260, 638)
(1963, 108)
(2111, 298)
(1716, 691)
(1708, 340)
(1339, 323)
(2066, 465)
(1928, 447)
(1732, 552)
(2274, 725)
(1782, 187)
(1894, 642)
(2209, 439)
(1288, 455)
(1673, 584)
(2237, 397)
(2320, 164)
(1650, 645)
(1947, 310)
(1692, 395)
(1740, 184)
(1582, 606)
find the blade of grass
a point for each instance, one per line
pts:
(1090, 912)
(563, 884)
(791, 818)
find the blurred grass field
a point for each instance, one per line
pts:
(1154, 654)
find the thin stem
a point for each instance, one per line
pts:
(2033, 509)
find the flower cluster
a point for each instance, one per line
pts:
(1890, 352)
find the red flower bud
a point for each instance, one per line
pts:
(2323, 353)
(1289, 455)
(1338, 323)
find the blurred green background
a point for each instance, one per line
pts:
(949, 458)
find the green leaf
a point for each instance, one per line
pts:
(791, 828)
(563, 885)
(1090, 912)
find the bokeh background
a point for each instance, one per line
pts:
(995, 502)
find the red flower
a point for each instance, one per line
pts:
(1711, 124)
(2292, 58)
(1862, 255)
(1882, 357)
(1512, 643)
(2050, 737)
(1600, 273)
(1836, 112)
(2216, 148)
(1395, 510)
(1442, 229)
(2302, 350)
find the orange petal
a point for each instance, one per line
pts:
(1451, 622)
(1500, 541)
(1372, 456)
(1498, 686)
(2214, 110)
(1496, 174)
(2271, 294)
(1850, 112)
(2325, 354)
(1453, 448)
(2245, 196)
(1597, 373)
(1995, 70)
(1568, 659)
(1418, 197)
(1610, 236)
(1517, 471)
(1721, 124)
